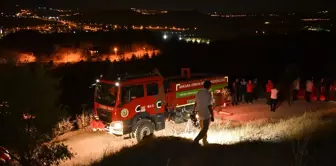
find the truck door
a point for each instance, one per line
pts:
(133, 98)
(155, 103)
(155, 97)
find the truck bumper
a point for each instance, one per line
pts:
(116, 128)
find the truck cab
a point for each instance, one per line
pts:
(130, 105)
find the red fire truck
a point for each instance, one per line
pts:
(140, 105)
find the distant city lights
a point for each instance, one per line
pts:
(58, 23)
(316, 29)
(315, 19)
(149, 12)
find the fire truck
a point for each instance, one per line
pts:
(140, 105)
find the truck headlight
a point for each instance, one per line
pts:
(116, 128)
(118, 125)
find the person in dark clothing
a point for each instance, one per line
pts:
(290, 94)
(239, 87)
(235, 92)
(326, 86)
(296, 88)
(318, 87)
(256, 89)
(309, 89)
(243, 91)
(332, 90)
(285, 94)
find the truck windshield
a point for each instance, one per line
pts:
(106, 94)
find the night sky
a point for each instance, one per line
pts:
(202, 5)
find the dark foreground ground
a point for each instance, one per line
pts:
(314, 148)
(263, 138)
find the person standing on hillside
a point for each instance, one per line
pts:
(333, 90)
(318, 87)
(269, 87)
(274, 98)
(249, 90)
(256, 89)
(296, 88)
(326, 85)
(203, 105)
(235, 92)
(243, 90)
(309, 90)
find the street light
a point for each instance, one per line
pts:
(165, 36)
(115, 50)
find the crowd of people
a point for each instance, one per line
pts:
(243, 91)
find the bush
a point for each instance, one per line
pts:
(67, 125)
(83, 120)
(62, 127)
(50, 154)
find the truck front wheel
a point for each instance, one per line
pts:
(143, 128)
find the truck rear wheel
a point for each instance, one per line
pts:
(143, 128)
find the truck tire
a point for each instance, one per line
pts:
(143, 128)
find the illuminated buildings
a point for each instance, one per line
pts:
(187, 37)
(149, 12)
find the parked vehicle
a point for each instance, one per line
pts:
(140, 105)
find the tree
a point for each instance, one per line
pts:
(28, 97)
(146, 56)
(134, 58)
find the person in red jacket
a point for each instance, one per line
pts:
(269, 87)
(249, 90)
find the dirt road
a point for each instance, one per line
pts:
(259, 110)
(90, 146)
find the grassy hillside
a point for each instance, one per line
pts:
(305, 140)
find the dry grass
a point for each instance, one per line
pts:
(66, 124)
(303, 140)
(293, 128)
(83, 120)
